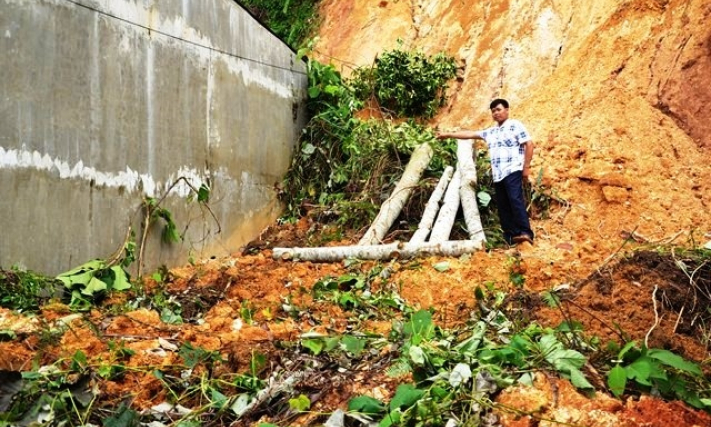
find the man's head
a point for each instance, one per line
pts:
(499, 110)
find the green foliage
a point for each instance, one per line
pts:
(193, 356)
(124, 417)
(291, 20)
(354, 292)
(301, 403)
(457, 372)
(516, 276)
(657, 371)
(24, 290)
(407, 83)
(155, 212)
(62, 391)
(348, 166)
(91, 281)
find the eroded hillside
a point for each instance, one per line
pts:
(615, 93)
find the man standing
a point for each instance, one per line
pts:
(510, 150)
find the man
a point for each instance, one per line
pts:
(510, 150)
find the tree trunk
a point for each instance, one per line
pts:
(432, 207)
(391, 208)
(379, 252)
(467, 189)
(448, 213)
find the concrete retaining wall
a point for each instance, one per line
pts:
(106, 102)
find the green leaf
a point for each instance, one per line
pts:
(674, 360)
(124, 417)
(94, 286)
(315, 346)
(170, 317)
(121, 282)
(417, 355)
(391, 419)
(471, 344)
(484, 198)
(79, 360)
(406, 395)
(93, 265)
(626, 348)
(257, 362)
(300, 403)
(353, 345)
(366, 405)
(419, 327)
(441, 266)
(203, 195)
(104, 371)
(331, 89)
(617, 380)
(639, 370)
(348, 300)
(578, 380)
(308, 149)
(562, 360)
(314, 91)
(217, 399)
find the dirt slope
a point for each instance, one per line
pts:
(616, 95)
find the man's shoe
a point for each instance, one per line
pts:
(523, 238)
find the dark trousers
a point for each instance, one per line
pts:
(512, 206)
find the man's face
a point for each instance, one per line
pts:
(500, 113)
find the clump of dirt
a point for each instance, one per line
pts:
(550, 402)
(659, 297)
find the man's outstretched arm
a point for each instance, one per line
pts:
(462, 134)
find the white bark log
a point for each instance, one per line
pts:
(465, 160)
(379, 252)
(391, 208)
(448, 213)
(467, 189)
(432, 207)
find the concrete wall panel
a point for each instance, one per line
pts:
(106, 102)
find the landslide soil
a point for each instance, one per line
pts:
(616, 95)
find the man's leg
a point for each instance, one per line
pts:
(504, 208)
(517, 204)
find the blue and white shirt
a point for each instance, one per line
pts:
(506, 147)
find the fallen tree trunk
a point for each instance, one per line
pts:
(448, 213)
(467, 189)
(391, 208)
(432, 207)
(379, 252)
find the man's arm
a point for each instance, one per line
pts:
(462, 134)
(527, 156)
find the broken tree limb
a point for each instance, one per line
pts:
(432, 207)
(379, 252)
(448, 212)
(391, 208)
(467, 189)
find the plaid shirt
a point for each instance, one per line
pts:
(506, 147)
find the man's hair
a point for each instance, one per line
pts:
(498, 101)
